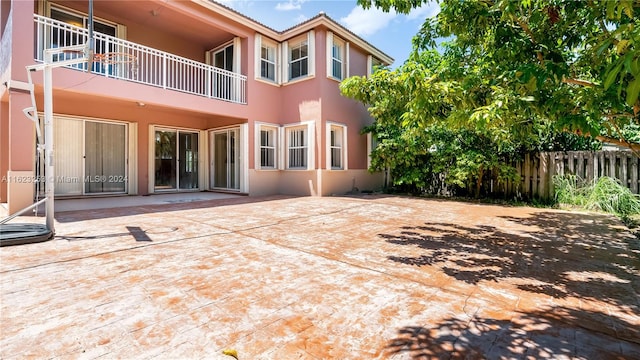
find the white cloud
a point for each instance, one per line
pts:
(367, 22)
(425, 11)
(300, 19)
(290, 5)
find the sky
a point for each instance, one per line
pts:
(389, 32)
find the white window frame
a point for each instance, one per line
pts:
(343, 46)
(309, 37)
(259, 146)
(260, 42)
(121, 30)
(309, 136)
(341, 145)
(372, 62)
(372, 143)
(235, 44)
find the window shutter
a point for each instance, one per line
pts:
(329, 57)
(312, 52)
(236, 55)
(346, 60)
(258, 56)
(285, 62)
(311, 138)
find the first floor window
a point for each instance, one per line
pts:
(336, 145)
(268, 147)
(297, 148)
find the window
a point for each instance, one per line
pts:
(223, 58)
(62, 38)
(372, 144)
(372, 65)
(299, 60)
(297, 148)
(268, 62)
(268, 142)
(336, 147)
(337, 57)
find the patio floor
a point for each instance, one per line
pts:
(371, 277)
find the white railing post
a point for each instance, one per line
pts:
(164, 70)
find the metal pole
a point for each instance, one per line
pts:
(48, 140)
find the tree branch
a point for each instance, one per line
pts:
(578, 82)
(633, 146)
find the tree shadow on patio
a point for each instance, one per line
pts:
(584, 256)
(537, 335)
(558, 254)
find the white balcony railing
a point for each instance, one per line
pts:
(141, 64)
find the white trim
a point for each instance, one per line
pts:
(329, 59)
(369, 148)
(311, 143)
(257, 50)
(311, 41)
(282, 146)
(347, 57)
(237, 55)
(344, 49)
(132, 158)
(344, 154)
(152, 158)
(285, 62)
(244, 157)
(296, 30)
(259, 42)
(258, 127)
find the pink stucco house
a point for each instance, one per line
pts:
(206, 99)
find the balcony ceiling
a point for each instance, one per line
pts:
(162, 16)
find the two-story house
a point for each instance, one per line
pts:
(183, 96)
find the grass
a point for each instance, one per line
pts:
(606, 195)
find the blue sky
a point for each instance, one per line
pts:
(389, 32)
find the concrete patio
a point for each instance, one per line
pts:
(371, 277)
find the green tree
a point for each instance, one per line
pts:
(431, 147)
(571, 64)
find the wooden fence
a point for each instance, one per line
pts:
(537, 171)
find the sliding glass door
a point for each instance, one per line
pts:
(90, 157)
(176, 160)
(225, 155)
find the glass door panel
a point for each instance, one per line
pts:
(220, 144)
(105, 158)
(165, 160)
(188, 160)
(68, 172)
(225, 154)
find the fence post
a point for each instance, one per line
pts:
(634, 174)
(623, 170)
(543, 189)
(527, 174)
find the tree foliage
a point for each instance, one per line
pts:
(425, 144)
(512, 66)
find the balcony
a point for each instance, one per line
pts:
(124, 60)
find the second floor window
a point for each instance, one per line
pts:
(338, 59)
(268, 62)
(299, 60)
